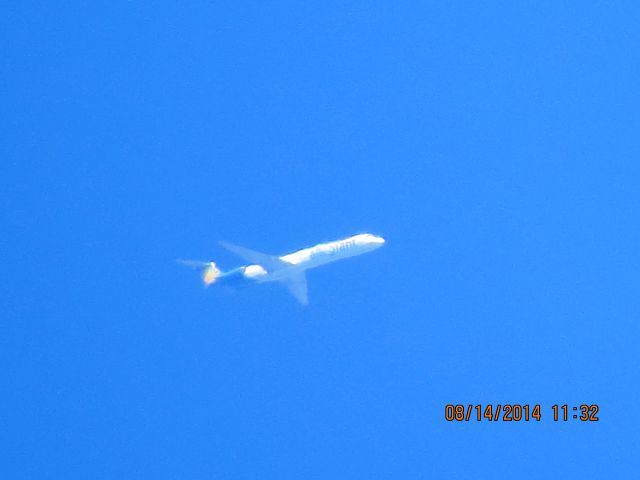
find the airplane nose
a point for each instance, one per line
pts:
(379, 240)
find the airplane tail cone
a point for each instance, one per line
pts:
(210, 272)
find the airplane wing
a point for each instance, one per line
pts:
(297, 285)
(269, 262)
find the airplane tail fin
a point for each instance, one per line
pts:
(209, 271)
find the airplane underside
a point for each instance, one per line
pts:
(288, 269)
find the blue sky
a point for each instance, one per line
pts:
(495, 146)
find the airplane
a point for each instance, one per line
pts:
(288, 269)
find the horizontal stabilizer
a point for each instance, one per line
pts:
(192, 263)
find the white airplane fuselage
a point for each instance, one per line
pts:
(317, 256)
(313, 257)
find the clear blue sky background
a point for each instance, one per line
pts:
(495, 146)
